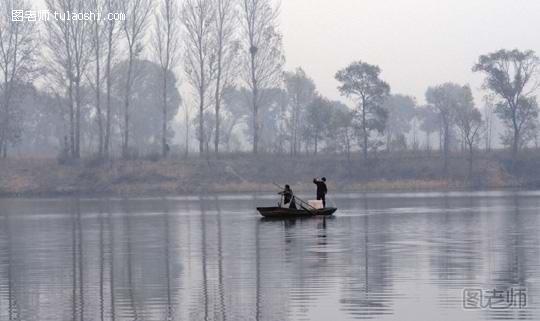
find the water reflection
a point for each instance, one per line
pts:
(392, 257)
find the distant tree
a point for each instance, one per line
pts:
(283, 121)
(429, 118)
(526, 118)
(147, 102)
(137, 13)
(361, 81)
(42, 123)
(269, 118)
(318, 114)
(187, 123)
(489, 111)
(209, 129)
(18, 42)
(199, 57)
(448, 98)
(301, 92)
(226, 51)
(341, 128)
(469, 123)
(235, 112)
(166, 45)
(512, 76)
(262, 57)
(401, 111)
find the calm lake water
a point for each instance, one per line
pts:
(382, 257)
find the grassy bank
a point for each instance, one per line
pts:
(246, 173)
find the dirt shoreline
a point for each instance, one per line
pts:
(145, 178)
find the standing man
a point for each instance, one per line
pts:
(321, 189)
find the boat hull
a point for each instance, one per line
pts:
(279, 212)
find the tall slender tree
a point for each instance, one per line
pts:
(166, 43)
(112, 33)
(262, 55)
(226, 51)
(134, 26)
(18, 44)
(97, 36)
(70, 53)
(198, 20)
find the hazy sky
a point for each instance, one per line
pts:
(417, 43)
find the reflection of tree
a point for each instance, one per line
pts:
(204, 259)
(454, 233)
(111, 263)
(167, 250)
(131, 284)
(76, 265)
(366, 280)
(222, 305)
(77, 299)
(150, 270)
(12, 308)
(101, 267)
(511, 266)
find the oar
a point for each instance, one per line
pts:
(301, 201)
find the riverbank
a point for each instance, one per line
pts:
(245, 173)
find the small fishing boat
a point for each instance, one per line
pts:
(280, 212)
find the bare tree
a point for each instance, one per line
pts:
(17, 58)
(198, 19)
(166, 43)
(68, 43)
(137, 13)
(262, 57)
(98, 31)
(226, 51)
(80, 33)
(112, 33)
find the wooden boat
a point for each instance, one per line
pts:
(280, 212)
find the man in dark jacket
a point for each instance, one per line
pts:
(321, 190)
(288, 197)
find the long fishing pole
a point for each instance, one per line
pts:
(232, 171)
(298, 198)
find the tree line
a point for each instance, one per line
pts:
(110, 87)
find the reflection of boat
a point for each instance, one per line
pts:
(280, 212)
